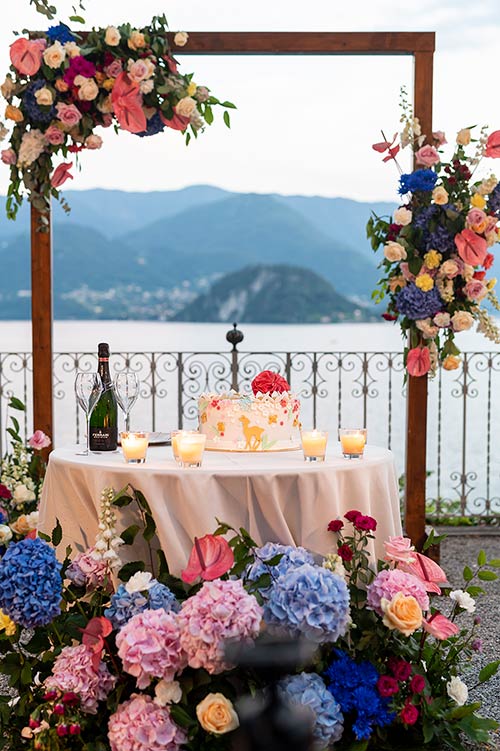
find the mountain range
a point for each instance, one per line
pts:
(148, 255)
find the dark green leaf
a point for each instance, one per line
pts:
(227, 119)
(16, 404)
(43, 536)
(229, 105)
(474, 591)
(458, 712)
(149, 529)
(487, 576)
(128, 535)
(56, 534)
(489, 671)
(181, 717)
(467, 574)
(122, 500)
(129, 569)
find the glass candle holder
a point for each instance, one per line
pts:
(134, 446)
(190, 447)
(314, 445)
(353, 442)
(174, 439)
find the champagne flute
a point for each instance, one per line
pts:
(88, 389)
(127, 391)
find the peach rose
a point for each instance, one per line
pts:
(136, 40)
(462, 320)
(54, 55)
(61, 85)
(112, 36)
(397, 282)
(439, 137)
(477, 220)
(105, 106)
(442, 320)
(25, 523)
(7, 88)
(394, 252)
(139, 70)
(181, 38)
(449, 269)
(463, 137)
(403, 216)
(185, 107)
(13, 113)
(440, 195)
(8, 156)
(87, 88)
(44, 97)
(114, 69)
(72, 49)
(402, 613)
(428, 329)
(54, 135)
(216, 714)
(93, 142)
(451, 362)
(427, 156)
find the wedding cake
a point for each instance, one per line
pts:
(267, 421)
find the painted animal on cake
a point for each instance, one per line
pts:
(253, 434)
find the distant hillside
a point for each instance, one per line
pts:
(271, 294)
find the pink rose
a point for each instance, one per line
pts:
(471, 247)
(476, 290)
(39, 440)
(427, 155)
(26, 56)
(93, 142)
(476, 216)
(439, 626)
(140, 70)
(405, 270)
(399, 549)
(418, 362)
(439, 137)
(54, 135)
(61, 174)
(68, 114)
(493, 145)
(114, 69)
(9, 156)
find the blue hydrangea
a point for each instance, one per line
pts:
(309, 690)
(308, 600)
(30, 583)
(421, 179)
(494, 200)
(125, 604)
(34, 111)
(440, 239)
(3, 516)
(154, 125)
(354, 686)
(291, 556)
(60, 33)
(415, 304)
(423, 217)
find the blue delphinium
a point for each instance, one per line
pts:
(35, 112)
(415, 304)
(290, 556)
(60, 33)
(354, 686)
(308, 600)
(421, 179)
(30, 583)
(125, 604)
(154, 125)
(309, 690)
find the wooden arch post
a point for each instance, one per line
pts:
(421, 46)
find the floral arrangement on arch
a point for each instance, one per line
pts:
(63, 86)
(438, 245)
(120, 658)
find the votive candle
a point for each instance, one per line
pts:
(314, 445)
(190, 447)
(352, 442)
(174, 439)
(134, 446)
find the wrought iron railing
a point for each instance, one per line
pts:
(335, 388)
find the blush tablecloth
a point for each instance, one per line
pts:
(275, 496)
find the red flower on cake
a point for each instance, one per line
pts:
(268, 382)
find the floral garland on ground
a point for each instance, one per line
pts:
(142, 666)
(437, 246)
(63, 86)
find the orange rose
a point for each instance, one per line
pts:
(13, 113)
(402, 613)
(216, 714)
(451, 362)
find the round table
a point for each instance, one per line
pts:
(276, 496)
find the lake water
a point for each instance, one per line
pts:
(464, 419)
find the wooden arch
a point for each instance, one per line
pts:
(421, 46)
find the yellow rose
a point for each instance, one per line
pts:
(136, 40)
(432, 259)
(478, 201)
(440, 195)
(191, 89)
(425, 282)
(13, 113)
(216, 714)
(402, 613)
(491, 284)
(451, 362)
(7, 625)
(108, 85)
(463, 137)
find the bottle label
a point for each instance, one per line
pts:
(100, 440)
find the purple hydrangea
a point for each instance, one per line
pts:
(154, 125)
(124, 605)
(36, 113)
(423, 217)
(290, 556)
(308, 690)
(494, 200)
(415, 304)
(440, 239)
(311, 601)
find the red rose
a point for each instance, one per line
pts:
(417, 684)
(409, 714)
(479, 275)
(268, 382)
(367, 523)
(5, 492)
(389, 317)
(335, 525)
(352, 515)
(488, 261)
(387, 685)
(345, 552)
(400, 669)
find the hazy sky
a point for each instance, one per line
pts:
(303, 125)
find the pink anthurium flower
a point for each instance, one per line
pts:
(94, 633)
(26, 56)
(384, 145)
(418, 362)
(425, 569)
(493, 145)
(440, 627)
(126, 98)
(472, 248)
(61, 174)
(211, 557)
(178, 122)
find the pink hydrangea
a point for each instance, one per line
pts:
(73, 671)
(149, 646)
(90, 572)
(141, 725)
(220, 611)
(389, 582)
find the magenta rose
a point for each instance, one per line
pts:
(68, 114)
(9, 156)
(114, 68)
(335, 525)
(54, 135)
(387, 685)
(427, 156)
(5, 492)
(39, 440)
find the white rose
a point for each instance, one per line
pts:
(54, 55)
(181, 38)
(139, 582)
(88, 88)
(403, 216)
(449, 269)
(167, 692)
(394, 251)
(427, 328)
(72, 49)
(463, 600)
(5, 534)
(22, 495)
(457, 690)
(93, 141)
(112, 36)
(442, 320)
(44, 96)
(146, 87)
(468, 272)
(186, 106)
(462, 321)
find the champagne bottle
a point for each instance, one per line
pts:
(104, 417)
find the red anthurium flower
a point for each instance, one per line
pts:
(211, 557)
(61, 174)
(472, 248)
(384, 145)
(425, 569)
(440, 627)
(178, 122)
(418, 362)
(94, 633)
(493, 145)
(268, 382)
(26, 56)
(127, 104)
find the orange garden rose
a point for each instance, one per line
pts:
(402, 613)
(216, 714)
